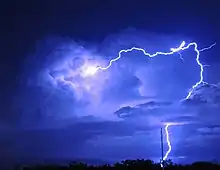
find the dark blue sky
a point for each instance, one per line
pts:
(51, 109)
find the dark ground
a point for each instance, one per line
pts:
(133, 164)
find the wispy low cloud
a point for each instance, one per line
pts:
(141, 109)
(201, 107)
(210, 130)
(157, 113)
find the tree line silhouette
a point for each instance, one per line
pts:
(139, 164)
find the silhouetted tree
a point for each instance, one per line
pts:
(139, 164)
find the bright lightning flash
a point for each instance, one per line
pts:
(90, 71)
(182, 47)
(167, 134)
(168, 141)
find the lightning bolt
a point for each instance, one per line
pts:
(168, 141)
(181, 47)
(200, 65)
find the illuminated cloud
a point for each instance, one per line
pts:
(207, 93)
(126, 104)
(63, 72)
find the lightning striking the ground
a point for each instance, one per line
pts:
(182, 47)
(168, 141)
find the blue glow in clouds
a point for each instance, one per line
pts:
(92, 70)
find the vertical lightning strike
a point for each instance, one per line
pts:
(200, 65)
(168, 142)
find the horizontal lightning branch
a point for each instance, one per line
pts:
(182, 47)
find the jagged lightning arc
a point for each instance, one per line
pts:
(182, 47)
(168, 142)
(164, 157)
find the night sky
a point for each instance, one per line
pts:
(52, 108)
